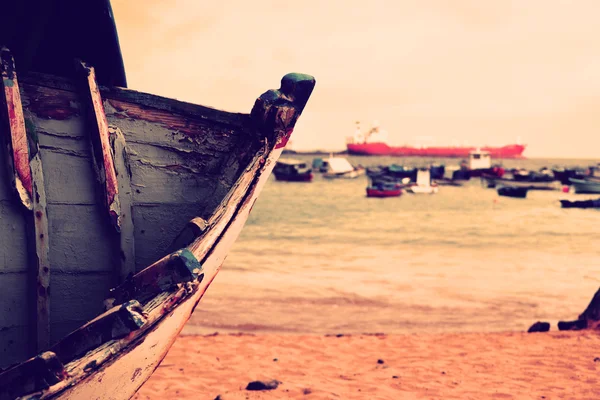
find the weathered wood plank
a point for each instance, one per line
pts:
(126, 239)
(178, 267)
(15, 344)
(42, 250)
(14, 129)
(76, 299)
(29, 183)
(69, 178)
(116, 323)
(235, 120)
(13, 240)
(102, 152)
(35, 374)
(158, 183)
(155, 228)
(15, 301)
(79, 240)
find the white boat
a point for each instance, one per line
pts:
(423, 184)
(340, 168)
(585, 186)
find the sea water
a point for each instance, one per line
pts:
(321, 257)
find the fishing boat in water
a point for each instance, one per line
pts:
(493, 181)
(292, 171)
(423, 185)
(587, 185)
(479, 163)
(511, 191)
(105, 187)
(392, 173)
(580, 203)
(384, 190)
(340, 168)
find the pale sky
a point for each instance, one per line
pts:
(474, 71)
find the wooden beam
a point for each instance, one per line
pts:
(28, 181)
(14, 127)
(125, 245)
(102, 153)
(42, 249)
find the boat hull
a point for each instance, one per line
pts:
(419, 189)
(581, 186)
(140, 361)
(580, 203)
(203, 187)
(306, 177)
(372, 192)
(516, 192)
(343, 175)
(493, 182)
(382, 149)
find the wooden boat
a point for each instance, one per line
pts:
(510, 191)
(447, 182)
(492, 181)
(340, 168)
(423, 184)
(100, 187)
(384, 190)
(292, 171)
(585, 186)
(480, 163)
(580, 203)
(391, 173)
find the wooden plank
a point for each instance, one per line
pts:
(76, 299)
(15, 343)
(69, 178)
(102, 152)
(113, 324)
(126, 241)
(231, 119)
(14, 128)
(29, 183)
(152, 244)
(13, 237)
(163, 275)
(42, 249)
(36, 374)
(81, 241)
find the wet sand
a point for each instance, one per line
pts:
(555, 365)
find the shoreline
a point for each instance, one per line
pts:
(506, 365)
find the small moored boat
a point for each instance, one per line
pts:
(492, 182)
(340, 168)
(480, 163)
(292, 171)
(580, 203)
(511, 191)
(423, 184)
(585, 186)
(384, 190)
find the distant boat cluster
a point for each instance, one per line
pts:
(394, 180)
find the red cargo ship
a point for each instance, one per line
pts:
(373, 144)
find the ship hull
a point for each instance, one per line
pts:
(382, 149)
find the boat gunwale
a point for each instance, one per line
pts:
(228, 118)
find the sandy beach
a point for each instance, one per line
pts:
(554, 365)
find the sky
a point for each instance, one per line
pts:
(477, 72)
